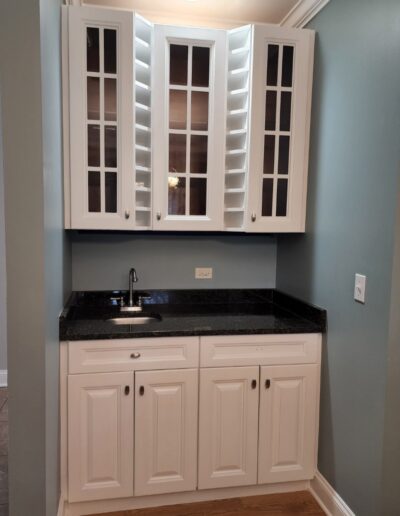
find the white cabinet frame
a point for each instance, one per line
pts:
(303, 43)
(216, 40)
(79, 18)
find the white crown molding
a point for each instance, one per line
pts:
(328, 498)
(302, 12)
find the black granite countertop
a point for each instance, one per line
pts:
(190, 312)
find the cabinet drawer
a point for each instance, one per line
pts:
(242, 350)
(96, 356)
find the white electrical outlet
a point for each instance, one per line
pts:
(203, 273)
(359, 288)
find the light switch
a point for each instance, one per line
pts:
(359, 288)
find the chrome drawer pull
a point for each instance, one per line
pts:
(135, 355)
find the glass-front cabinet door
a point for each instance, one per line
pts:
(100, 120)
(280, 119)
(188, 135)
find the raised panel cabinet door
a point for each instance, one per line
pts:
(188, 128)
(166, 415)
(100, 436)
(100, 118)
(280, 124)
(288, 435)
(228, 426)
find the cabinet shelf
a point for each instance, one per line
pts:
(143, 128)
(142, 85)
(143, 107)
(142, 148)
(241, 50)
(234, 190)
(239, 71)
(235, 171)
(237, 112)
(236, 152)
(142, 64)
(141, 168)
(234, 210)
(143, 208)
(142, 42)
(235, 132)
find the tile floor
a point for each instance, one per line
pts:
(3, 451)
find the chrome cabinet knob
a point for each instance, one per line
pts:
(253, 217)
(159, 215)
(127, 214)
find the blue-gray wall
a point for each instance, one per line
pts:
(354, 164)
(102, 261)
(3, 282)
(37, 252)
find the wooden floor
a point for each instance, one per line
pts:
(285, 504)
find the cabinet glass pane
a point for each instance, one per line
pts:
(200, 66)
(110, 51)
(111, 192)
(110, 100)
(269, 154)
(92, 50)
(286, 103)
(198, 154)
(110, 146)
(198, 196)
(177, 153)
(177, 109)
(283, 163)
(176, 195)
(93, 145)
(272, 66)
(94, 199)
(281, 198)
(199, 110)
(270, 111)
(178, 64)
(93, 98)
(267, 191)
(287, 66)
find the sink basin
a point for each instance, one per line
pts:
(138, 319)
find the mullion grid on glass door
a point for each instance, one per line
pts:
(279, 93)
(101, 149)
(185, 178)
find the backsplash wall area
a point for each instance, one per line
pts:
(101, 261)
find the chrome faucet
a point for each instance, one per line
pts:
(132, 307)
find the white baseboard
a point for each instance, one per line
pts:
(3, 378)
(61, 504)
(328, 498)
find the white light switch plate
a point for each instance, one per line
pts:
(359, 288)
(203, 273)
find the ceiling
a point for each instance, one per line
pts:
(221, 13)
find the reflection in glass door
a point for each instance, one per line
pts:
(277, 130)
(101, 94)
(188, 139)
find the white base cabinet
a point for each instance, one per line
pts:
(100, 436)
(166, 431)
(289, 398)
(154, 430)
(228, 427)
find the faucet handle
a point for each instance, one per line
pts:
(120, 299)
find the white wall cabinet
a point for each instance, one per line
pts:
(100, 436)
(184, 129)
(189, 71)
(280, 118)
(166, 414)
(160, 426)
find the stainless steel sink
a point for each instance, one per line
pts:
(140, 319)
